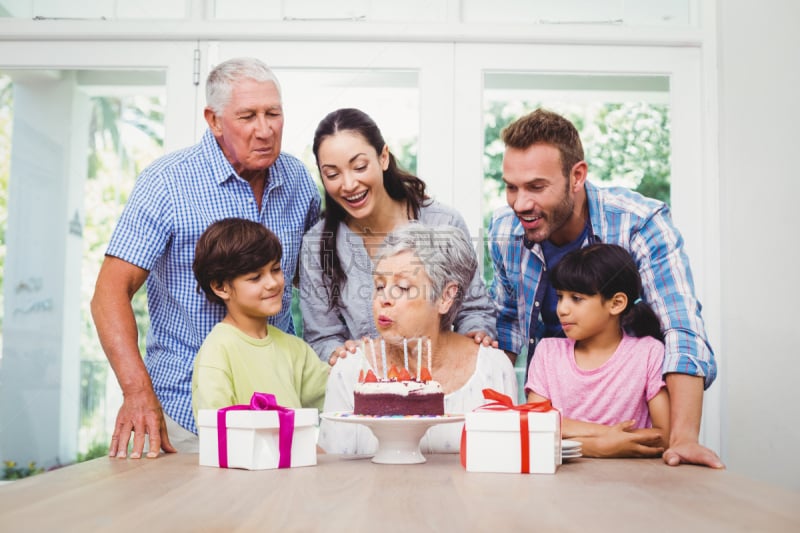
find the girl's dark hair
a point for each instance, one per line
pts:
(399, 184)
(232, 247)
(607, 269)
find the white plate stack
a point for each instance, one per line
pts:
(570, 449)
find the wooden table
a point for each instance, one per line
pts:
(344, 494)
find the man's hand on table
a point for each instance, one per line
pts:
(686, 407)
(141, 415)
(691, 452)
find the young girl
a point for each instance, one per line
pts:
(606, 376)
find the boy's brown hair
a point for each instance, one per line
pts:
(232, 247)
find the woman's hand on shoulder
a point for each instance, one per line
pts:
(481, 337)
(341, 351)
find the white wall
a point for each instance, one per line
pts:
(759, 116)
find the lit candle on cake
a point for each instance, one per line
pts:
(429, 355)
(405, 352)
(419, 358)
(383, 359)
(374, 359)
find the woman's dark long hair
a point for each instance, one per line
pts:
(607, 269)
(399, 184)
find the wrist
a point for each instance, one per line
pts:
(132, 389)
(686, 436)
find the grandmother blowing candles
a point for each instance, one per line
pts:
(420, 275)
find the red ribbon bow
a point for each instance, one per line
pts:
(503, 402)
(260, 401)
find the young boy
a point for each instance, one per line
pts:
(238, 263)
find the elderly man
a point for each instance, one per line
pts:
(236, 170)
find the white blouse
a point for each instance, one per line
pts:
(493, 370)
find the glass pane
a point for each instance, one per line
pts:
(623, 122)
(6, 106)
(49, 362)
(95, 9)
(342, 10)
(680, 13)
(126, 134)
(390, 97)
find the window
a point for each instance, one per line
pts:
(623, 122)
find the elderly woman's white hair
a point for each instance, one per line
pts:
(444, 252)
(220, 81)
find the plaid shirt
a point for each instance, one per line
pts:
(173, 201)
(619, 216)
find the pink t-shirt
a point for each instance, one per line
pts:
(616, 391)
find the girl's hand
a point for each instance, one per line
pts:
(342, 351)
(622, 440)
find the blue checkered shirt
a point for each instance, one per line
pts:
(173, 201)
(619, 216)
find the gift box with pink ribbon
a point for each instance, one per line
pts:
(259, 436)
(503, 437)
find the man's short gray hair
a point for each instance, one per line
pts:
(222, 78)
(444, 252)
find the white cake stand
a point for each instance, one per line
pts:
(398, 437)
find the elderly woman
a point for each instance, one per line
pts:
(420, 276)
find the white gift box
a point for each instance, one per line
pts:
(494, 444)
(253, 438)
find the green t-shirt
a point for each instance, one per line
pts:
(230, 366)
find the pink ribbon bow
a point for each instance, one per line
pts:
(260, 401)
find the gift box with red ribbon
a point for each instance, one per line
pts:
(503, 437)
(259, 436)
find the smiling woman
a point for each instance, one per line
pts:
(366, 196)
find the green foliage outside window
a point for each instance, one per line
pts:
(11, 470)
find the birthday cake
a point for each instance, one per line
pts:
(397, 394)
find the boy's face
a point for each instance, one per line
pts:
(255, 295)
